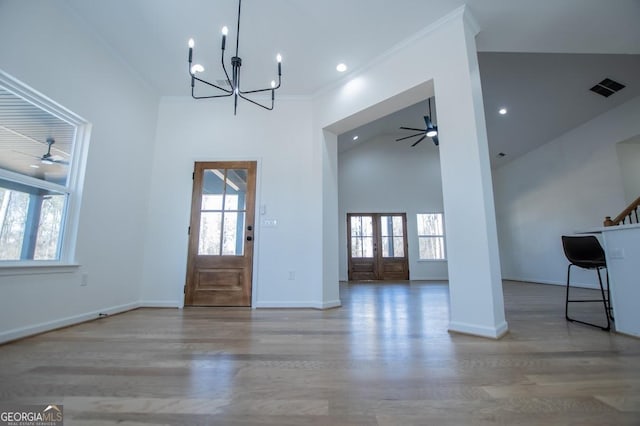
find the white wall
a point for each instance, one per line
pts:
(46, 47)
(384, 176)
(189, 131)
(629, 160)
(566, 185)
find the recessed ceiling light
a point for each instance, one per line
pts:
(502, 111)
(341, 67)
(355, 138)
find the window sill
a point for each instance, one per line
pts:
(431, 260)
(36, 268)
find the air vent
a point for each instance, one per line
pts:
(607, 87)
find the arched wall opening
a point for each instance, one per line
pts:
(444, 63)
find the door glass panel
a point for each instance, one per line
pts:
(367, 246)
(213, 182)
(361, 236)
(356, 247)
(210, 232)
(235, 190)
(223, 211)
(233, 234)
(391, 231)
(356, 226)
(398, 246)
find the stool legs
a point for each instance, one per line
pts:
(604, 300)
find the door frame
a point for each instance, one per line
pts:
(378, 259)
(251, 265)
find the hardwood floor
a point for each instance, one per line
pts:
(384, 358)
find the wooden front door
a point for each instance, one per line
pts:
(219, 266)
(377, 246)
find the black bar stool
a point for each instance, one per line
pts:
(585, 252)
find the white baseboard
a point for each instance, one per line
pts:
(479, 330)
(299, 305)
(19, 333)
(331, 304)
(429, 278)
(161, 304)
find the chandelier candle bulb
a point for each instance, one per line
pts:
(191, 44)
(225, 31)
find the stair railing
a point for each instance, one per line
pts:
(628, 215)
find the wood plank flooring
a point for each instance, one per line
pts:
(384, 358)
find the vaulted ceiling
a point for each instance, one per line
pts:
(537, 58)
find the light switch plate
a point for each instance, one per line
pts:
(269, 223)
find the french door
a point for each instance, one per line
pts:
(377, 246)
(219, 266)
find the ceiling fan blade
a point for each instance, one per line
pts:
(419, 140)
(411, 128)
(28, 155)
(436, 142)
(407, 137)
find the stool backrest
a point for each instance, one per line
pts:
(584, 251)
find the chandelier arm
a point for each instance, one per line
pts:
(210, 97)
(258, 91)
(264, 90)
(257, 103)
(212, 85)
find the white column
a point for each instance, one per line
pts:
(475, 282)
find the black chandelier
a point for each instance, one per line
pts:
(234, 80)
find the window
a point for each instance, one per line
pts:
(431, 236)
(39, 176)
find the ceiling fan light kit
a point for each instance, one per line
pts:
(430, 132)
(234, 80)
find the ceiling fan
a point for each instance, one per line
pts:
(430, 132)
(48, 157)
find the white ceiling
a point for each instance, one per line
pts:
(150, 37)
